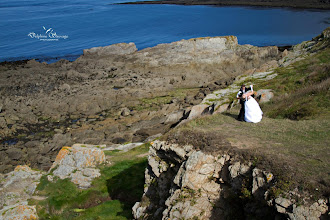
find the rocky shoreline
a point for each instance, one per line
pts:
(113, 95)
(115, 99)
(310, 4)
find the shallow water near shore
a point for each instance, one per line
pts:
(81, 24)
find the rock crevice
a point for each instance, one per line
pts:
(184, 183)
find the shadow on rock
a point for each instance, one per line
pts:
(237, 202)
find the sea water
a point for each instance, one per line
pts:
(50, 30)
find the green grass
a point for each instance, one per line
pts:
(106, 210)
(111, 196)
(301, 89)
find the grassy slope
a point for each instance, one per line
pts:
(111, 196)
(292, 140)
(302, 89)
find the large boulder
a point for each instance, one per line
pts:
(78, 163)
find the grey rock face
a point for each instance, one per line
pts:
(77, 163)
(16, 188)
(182, 183)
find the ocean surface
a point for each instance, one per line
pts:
(51, 30)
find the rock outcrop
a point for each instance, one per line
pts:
(16, 188)
(19, 211)
(183, 183)
(78, 164)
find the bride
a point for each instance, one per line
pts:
(253, 112)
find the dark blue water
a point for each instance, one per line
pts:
(89, 24)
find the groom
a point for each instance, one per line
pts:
(239, 96)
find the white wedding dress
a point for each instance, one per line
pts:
(253, 111)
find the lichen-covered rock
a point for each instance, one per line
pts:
(78, 163)
(182, 183)
(20, 211)
(18, 185)
(16, 188)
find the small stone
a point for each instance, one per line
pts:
(58, 131)
(125, 112)
(283, 202)
(65, 87)
(264, 95)
(50, 178)
(285, 53)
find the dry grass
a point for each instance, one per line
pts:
(297, 151)
(301, 89)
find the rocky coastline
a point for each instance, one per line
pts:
(113, 95)
(116, 102)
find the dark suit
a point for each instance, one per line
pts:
(241, 114)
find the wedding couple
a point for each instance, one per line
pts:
(250, 109)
